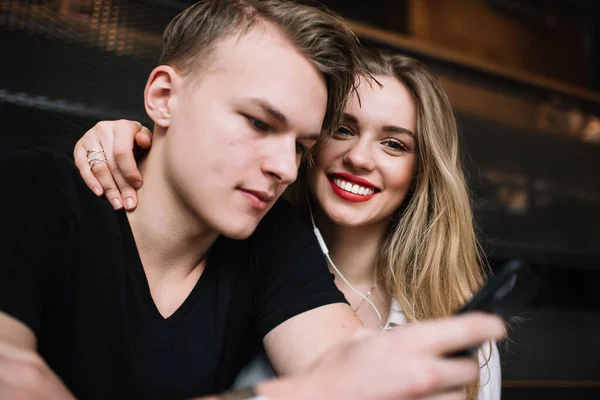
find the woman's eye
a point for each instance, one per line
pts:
(343, 131)
(395, 145)
(258, 124)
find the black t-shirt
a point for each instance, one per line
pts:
(70, 270)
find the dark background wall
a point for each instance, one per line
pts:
(67, 64)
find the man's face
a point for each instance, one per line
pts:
(237, 132)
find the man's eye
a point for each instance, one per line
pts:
(303, 152)
(258, 124)
(301, 149)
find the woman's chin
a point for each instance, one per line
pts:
(346, 221)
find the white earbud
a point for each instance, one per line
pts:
(325, 251)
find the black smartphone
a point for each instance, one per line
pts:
(491, 297)
(496, 289)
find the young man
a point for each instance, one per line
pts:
(171, 300)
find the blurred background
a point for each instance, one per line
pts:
(523, 76)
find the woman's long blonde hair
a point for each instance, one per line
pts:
(430, 260)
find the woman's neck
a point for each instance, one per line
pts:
(354, 250)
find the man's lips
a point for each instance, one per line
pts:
(262, 195)
(257, 198)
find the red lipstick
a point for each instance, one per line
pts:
(349, 196)
(354, 179)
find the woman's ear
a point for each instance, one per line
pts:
(158, 93)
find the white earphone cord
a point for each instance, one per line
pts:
(325, 251)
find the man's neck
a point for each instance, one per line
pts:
(172, 242)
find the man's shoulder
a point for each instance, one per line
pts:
(41, 167)
(45, 176)
(47, 186)
(283, 231)
(281, 226)
(34, 158)
(282, 215)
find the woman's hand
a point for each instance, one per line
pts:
(116, 174)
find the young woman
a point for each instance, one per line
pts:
(388, 194)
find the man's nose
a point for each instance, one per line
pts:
(282, 162)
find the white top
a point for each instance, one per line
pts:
(259, 369)
(490, 377)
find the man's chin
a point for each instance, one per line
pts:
(240, 224)
(239, 232)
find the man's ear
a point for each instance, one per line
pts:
(158, 94)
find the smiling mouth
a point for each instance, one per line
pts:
(352, 187)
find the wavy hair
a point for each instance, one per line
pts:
(430, 260)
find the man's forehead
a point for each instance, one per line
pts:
(248, 41)
(264, 65)
(255, 36)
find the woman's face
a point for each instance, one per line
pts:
(363, 174)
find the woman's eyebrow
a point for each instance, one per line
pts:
(397, 129)
(350, 118)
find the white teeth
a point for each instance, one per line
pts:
(353, 188)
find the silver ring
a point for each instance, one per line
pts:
(92, 152)
(96, 156)
(95, 161)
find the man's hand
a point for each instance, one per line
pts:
(409, 363)
(119, 177)
(24, 375)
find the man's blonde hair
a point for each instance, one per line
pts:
(323, 37)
